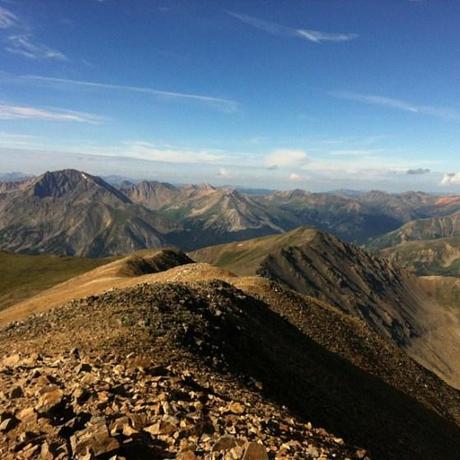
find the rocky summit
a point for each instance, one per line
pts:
(137, 396)
(206, 370)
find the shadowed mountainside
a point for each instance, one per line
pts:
(390, 300)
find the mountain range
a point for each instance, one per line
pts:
(70, 212)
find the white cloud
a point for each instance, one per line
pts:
(314, 36)
(22, 42)
(451, 179)
(224, 173)
(14, 112)
(317, 36)
(226, 105)
(23, 45)
(7, 18)
(399, 104)
(285, 158)
(295, 177)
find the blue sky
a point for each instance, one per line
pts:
(314, 94)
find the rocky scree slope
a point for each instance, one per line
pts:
(148, 380)
(170, 368)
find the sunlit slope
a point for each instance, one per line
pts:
(123, 272)
(22, 276)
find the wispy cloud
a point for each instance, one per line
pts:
(226, 105)
(7, 18)
(22, 42)
(15, 139)
(355, 152)
(15, 112)
(169, 154)
(286, 158)
(315, 36)
(445, 113)
(24, 46)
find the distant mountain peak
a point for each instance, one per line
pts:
(67, 182)
(58, 183)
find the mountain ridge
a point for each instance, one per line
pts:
(390, 300)
(272, 344)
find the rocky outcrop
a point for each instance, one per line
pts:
(83, 406)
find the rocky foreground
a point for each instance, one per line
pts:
(204, 370)
(85, 406)
(140, 374)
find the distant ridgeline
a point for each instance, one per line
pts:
(74, 213)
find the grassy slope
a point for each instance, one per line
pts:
(127, 271)
(22, 276)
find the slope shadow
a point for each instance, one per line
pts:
(328, 390)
